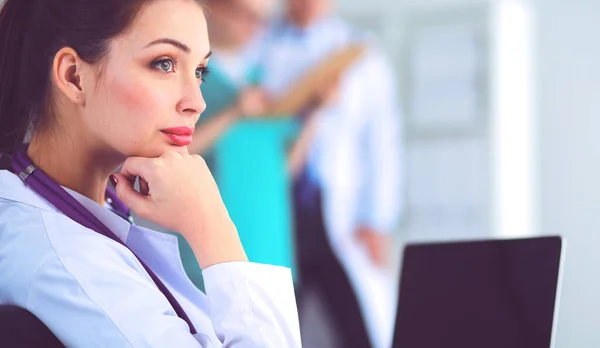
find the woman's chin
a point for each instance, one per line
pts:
(176, 148)
(169, 148)
(157, 150)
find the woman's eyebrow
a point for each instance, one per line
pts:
(172, 42)
(185, 48)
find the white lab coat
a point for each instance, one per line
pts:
(92, 292)
(356, 154)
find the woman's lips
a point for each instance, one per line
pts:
(180, 136)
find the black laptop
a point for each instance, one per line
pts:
(479, 294)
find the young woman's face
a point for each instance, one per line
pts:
(147, 97)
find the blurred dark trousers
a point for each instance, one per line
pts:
(320, 270)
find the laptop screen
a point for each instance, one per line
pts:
(489, 294)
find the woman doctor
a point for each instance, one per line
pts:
(91, 86)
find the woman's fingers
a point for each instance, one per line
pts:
(144, 187)
(139, 167)
(128, 195)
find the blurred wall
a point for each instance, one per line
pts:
(448, 159)
(569, 120)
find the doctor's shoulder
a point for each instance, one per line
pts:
(24, 248)
(39, 245)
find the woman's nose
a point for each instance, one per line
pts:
(192, 101)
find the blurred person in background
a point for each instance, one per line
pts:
(247, 152)
(237, 145)
(348, 193)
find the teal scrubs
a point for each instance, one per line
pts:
(249, 163)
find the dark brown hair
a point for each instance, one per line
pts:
(31, 33)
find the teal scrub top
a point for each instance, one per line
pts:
(249, 163)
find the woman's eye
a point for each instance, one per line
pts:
(201, 73)
(166, 65)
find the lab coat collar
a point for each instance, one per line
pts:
(114, 222)
(13, 189)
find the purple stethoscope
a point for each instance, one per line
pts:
(41, 183)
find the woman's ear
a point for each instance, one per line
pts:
(67, 73)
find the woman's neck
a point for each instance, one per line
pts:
(73, 163)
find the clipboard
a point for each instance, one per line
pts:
(303, 91)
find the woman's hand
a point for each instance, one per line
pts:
(181, 195)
